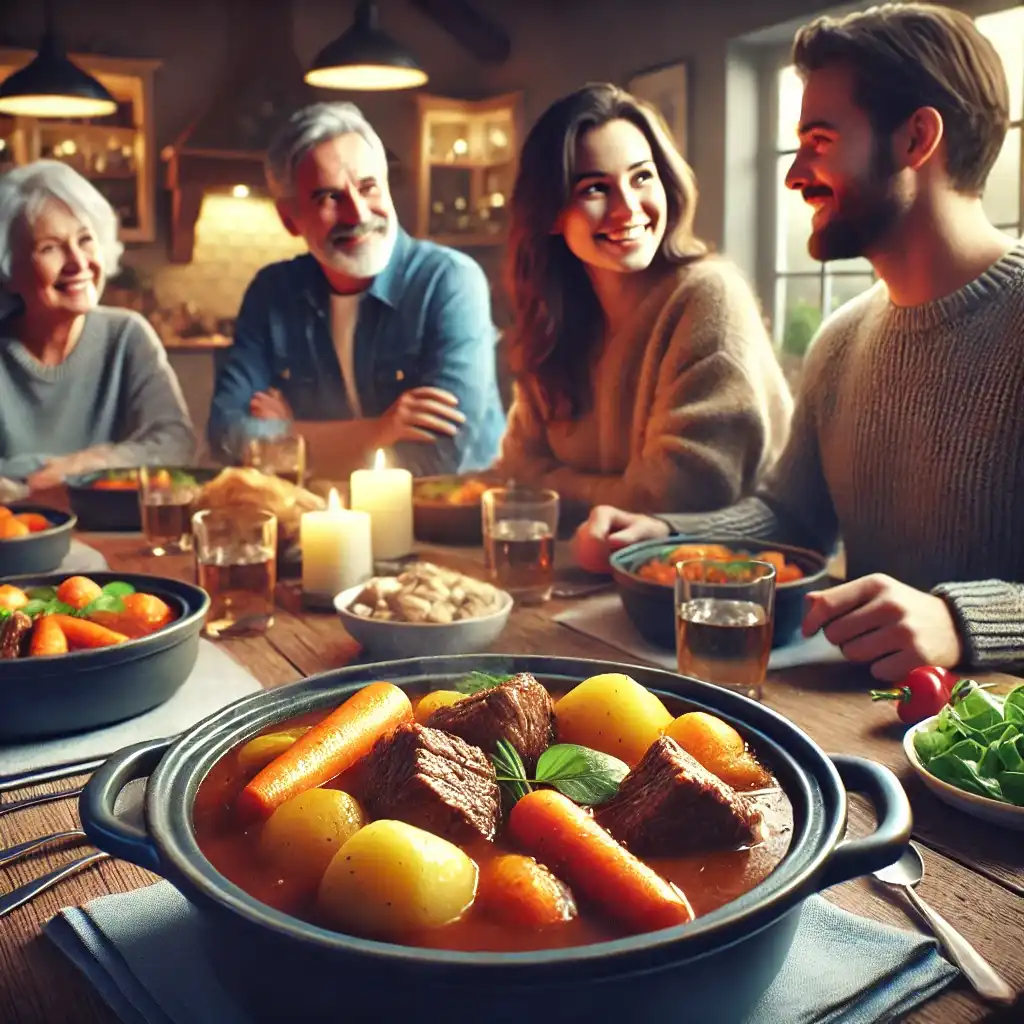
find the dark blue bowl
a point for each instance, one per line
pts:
(37, 552)
(651, 606)
(712, 970)
(70, 693)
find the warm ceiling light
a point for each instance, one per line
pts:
(365, 59)
(240, 191)
(51, 85)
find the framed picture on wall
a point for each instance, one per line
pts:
(666, 88)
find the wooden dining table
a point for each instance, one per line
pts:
(974, 872)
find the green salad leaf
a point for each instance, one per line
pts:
(118, 588)
(978, 745)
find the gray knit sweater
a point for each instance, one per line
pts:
(908, 443)
(115, 395)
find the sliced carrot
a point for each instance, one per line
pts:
(333, 745)
(34, 521)
(516, 890)
(83, 633)
(568, 840)
(78, 591)
(47, 638)
(10, 527)
(148, 611)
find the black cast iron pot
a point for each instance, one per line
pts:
(37, 552)
(712, 969)
(71, 693)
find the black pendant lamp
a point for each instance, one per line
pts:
(51, 85)
(365, 58)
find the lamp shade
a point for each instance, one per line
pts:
(51, 85)
(365, 58)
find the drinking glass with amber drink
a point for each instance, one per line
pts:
(519, 529)
(724, 616)
(166, 494)
(236, 564)
(282, 455)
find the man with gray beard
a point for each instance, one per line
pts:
(372, 340)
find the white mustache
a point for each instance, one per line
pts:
(347, 233)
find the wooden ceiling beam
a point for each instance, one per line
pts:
(477, 33)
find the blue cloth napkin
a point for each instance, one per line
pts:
(142, 951)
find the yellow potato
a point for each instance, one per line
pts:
(434, 700)
(612, 713)
(391, 878)
(304, 833)
(261, 750)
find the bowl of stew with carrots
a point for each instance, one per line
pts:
(33, 538)
(490, 833)
(645, 574)
(80, 652)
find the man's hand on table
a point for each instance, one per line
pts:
(879, 620)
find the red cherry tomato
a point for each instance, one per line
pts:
(922, 694)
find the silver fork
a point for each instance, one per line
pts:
(40, 798)
(13, 853)
(16, 897)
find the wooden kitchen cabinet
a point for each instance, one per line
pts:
(468, 152)
(116, 153)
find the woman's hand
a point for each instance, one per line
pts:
(608, 529)
(270, 405)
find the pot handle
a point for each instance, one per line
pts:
(103, 825)
(855, 857)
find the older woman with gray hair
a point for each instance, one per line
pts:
(82, 386)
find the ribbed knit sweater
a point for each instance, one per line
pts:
(686, 408)
(908, 443)
(114, 397)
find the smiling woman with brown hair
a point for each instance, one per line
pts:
(82, 386)
(644, 374)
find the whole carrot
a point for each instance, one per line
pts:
(568, 840)
(329, 748)
(47, 638)
(83, 633)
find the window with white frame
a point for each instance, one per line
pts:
(805, 291)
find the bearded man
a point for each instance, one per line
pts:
(908, 436)
(372, 340)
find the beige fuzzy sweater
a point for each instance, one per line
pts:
(908, 442)
(688, 405)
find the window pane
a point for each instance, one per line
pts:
(841, 289)
(1002, 193)
(797, 312)
(793, 227)
(791, 93)
(1005, 30)
(854, 266)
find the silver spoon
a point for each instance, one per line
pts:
(905, 874)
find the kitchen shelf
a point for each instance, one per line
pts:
(467, 160)
(124, 138)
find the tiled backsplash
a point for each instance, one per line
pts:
(234, 239)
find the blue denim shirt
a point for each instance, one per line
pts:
(425, 320)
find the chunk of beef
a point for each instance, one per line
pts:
(669, 805)
(14, 630)
(519, 710)
(432, 780)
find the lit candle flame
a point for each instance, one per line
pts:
(378, 459)
(333, 501)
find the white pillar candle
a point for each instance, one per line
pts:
(387, 495)
(336, 551)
